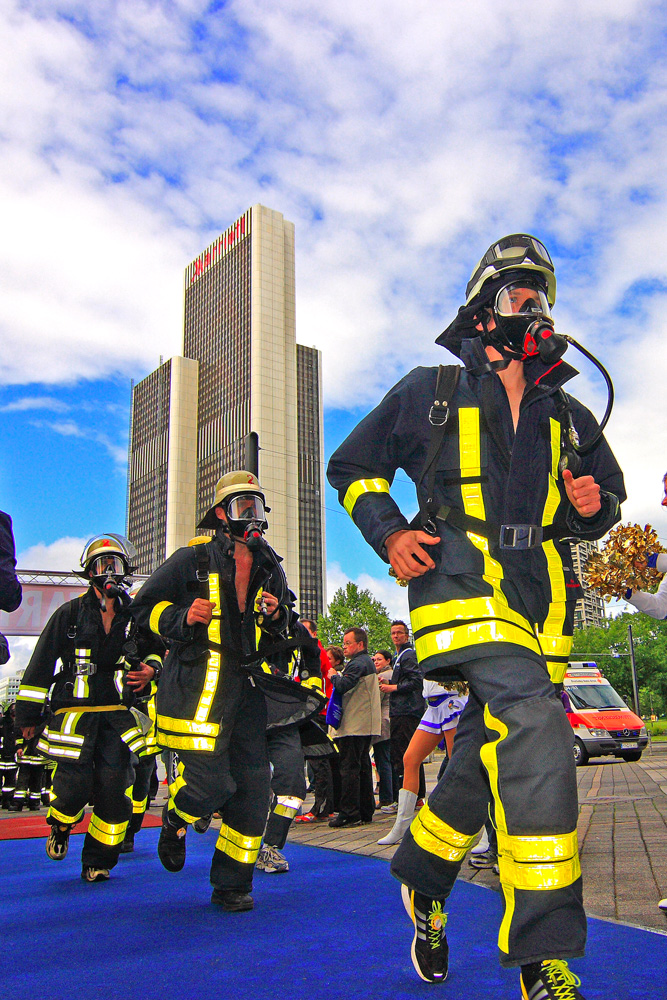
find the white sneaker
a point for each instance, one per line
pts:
(390, 809)
(663, 904)
(482, 845)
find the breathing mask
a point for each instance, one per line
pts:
(246, 517)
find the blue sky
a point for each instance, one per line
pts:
(401, 140)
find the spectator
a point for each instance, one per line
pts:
(406, 704)
(323, 780)
(10, 588)
(361, 721)
(382, 747)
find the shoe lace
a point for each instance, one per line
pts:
(561, 980)
(436, 923)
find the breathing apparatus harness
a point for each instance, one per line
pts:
(516, 335)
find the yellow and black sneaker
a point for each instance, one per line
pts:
(551, 980)
(430, 951)
(58, 841)
(91, 874)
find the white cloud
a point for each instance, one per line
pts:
(34, 403)
(20, 649)
(63, 554)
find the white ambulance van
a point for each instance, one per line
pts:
(602, 722)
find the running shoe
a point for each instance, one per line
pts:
(306, 818)
(58, 841)
(271, 860)
(430, 951)
(550, 980)
(486, 860)
(390, 809)
(91, 874)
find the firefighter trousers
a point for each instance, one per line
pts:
(103, 776)
(513, 746)
(143, 772)
(235, 781)
(288, 782)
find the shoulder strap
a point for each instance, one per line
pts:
(448, 379)
(73, 619)
(203, 563)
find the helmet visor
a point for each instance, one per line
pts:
(112, 565)
(522, 298)
(246, 507)
(515, 250)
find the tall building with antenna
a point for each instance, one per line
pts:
(241, 372)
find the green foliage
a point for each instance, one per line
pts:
(608, 647)
(350, 608)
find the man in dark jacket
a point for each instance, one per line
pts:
(362, 719)
(11, 591)
(506, 466)
(222, 604)
(406, 703)
(91, 731)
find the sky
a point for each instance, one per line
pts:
(400, 139)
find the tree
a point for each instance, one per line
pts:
(608, 647)
(351, 608)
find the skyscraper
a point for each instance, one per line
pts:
(589, 609)
(240, 346)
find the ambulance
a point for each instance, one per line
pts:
(603, 724)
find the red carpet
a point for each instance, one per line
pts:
(25, 825)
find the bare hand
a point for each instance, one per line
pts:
(137, 679)
(270, 603)
(583, 494)
(388, 688)
(201, 611)
(332, 673)
(28, 732)
(406, 555)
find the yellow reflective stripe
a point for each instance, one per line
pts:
(470, 458)
(287, 805)
(236, 845)
(489, 757)
(538, 877)
(437, 837)
(154, 620)
(557, 652)
(555, 620)
(363, 486)
(81, 689)
(110, 834)
(313, 682)
(62, 817)
(185, 742)
(473, 634)
(209, 688)
(429, 615)
(214, 597)
(188, 726)
(32, 694)
(546, 849)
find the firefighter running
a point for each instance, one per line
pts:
(91, 731)
(492, 593)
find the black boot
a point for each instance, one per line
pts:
(171, 845)
(232, 900)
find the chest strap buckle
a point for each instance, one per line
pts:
(520, 536)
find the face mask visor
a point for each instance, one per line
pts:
(246, 508)
(108, 566)
(522, 299)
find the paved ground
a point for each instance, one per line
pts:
(622, 838)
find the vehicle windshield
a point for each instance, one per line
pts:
(596, 696)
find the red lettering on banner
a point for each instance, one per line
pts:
(207, 259)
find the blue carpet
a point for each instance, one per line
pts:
(331, 929)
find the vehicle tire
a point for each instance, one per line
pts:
(631, 756)
(580, 754)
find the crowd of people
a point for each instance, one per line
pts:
(210, 664)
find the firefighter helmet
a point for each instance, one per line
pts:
(228, 487)
(108, 551)
(519, 252)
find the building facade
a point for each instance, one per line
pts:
(248, 375)
(589, 609)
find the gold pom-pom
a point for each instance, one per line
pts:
(622, 563)
(399, 579)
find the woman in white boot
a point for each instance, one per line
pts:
(443, 708)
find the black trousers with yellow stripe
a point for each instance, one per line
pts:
(234, 780)
(513, 748)
(102, 775)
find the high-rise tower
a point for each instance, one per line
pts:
(239, 334)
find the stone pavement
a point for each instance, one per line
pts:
(622, 838)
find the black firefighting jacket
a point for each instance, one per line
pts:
(481, 600)
(91, 678)
(206, 670)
